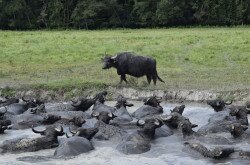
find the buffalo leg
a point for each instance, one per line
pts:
(154, 77)
(149, 79)
(123, 78)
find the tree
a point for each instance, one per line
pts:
(175, 12)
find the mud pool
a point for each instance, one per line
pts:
(166, 150)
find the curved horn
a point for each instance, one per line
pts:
(114, 57)
(59, 131)
(140, 122)
(67, 135)
(3, 127)
(146, 100)
(129, 105)
(76, 104)
(73, 133)
(229, 103)
(73, 101)
(10, 126)
(110, 115)
(25, 99)
(46, 117)
(194, 125)
(244, 127)
(218, 103)
(35, 131)
(2, 113)
(158, 98)
(33, 111)
(157, 123)
(163, 118)
(167, 118)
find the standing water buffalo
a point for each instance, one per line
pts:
(137, 66)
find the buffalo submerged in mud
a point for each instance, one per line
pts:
(133, 65)
(130, 133)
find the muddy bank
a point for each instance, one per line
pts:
(133, 94)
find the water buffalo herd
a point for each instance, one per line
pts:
(86, 120)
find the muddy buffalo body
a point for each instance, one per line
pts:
(130, 133)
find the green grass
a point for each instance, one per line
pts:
(187, 58)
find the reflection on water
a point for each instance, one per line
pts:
(166, 150)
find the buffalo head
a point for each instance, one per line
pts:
(172, 120)
(179, 109)
(186, 127)
(149, 126)
(218, 104)
(78, 121)
(220, 153)
(108, 62)
(50, 131)
(50, 119)
(32, 103)
(101, 97)
(37, 110)
(104, 116)
(153, 101)
(237, 130)
(122, 102)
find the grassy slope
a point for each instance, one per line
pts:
(193, 58)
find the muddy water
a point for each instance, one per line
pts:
(167, 150)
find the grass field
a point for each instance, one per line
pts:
(187, 58)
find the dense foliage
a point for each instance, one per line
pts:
(94, 14)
